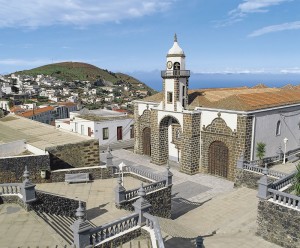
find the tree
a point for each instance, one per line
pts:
(296, 182)
(260, 150)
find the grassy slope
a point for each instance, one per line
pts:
(70, 71)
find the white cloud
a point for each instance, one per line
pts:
(276, 28)
(248, 7)
(24, 62)
(36, 13)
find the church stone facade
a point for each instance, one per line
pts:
(208, 130)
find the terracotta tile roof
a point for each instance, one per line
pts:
(154, 98)
(240, 99)
(30, 113)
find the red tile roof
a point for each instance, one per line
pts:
(30, 113)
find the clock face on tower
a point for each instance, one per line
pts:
(169, 64)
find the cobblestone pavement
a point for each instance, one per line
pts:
(286, 168)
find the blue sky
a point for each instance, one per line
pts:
(135, 35)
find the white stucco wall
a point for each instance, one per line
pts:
(112, 129)
(173, 152)
(143, 106)
(178, 116)
(208, 116)
(265, 130)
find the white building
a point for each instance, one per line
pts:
(106, 125)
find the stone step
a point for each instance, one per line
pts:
(59, 225)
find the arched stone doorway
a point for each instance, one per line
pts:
(147, 141)
(218, 159)
(170, 133)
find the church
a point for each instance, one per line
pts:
(207, 130)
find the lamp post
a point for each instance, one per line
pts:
(285, 140)
(121, 168)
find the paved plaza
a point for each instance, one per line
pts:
(202, 205)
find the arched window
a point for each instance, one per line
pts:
(177, 66)
(278, 128)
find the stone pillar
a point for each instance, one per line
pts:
(169, 176)
(240, 162)
(28, 188)
(141, 206)
(199, 242)
(109, 157)
(81, 229)
(263, 193)
(189, 162)
(279, 153)
(119, 192)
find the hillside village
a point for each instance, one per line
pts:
(27, 92)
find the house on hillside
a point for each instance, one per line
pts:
(105, 125)
(207, 130)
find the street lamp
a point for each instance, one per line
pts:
(285, 140)
(121, 168)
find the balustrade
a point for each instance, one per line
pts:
(10, 188)
(103, 232)
(285, 199)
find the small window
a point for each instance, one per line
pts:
(131, 132)
(278, 128)
(105, 133)
(169, 97)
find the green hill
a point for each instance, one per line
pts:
(70, 71)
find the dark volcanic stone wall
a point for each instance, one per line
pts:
(12, 168)
(83, 154)
(160, 201)
(55, 204)
(279, 224)
(248, 179)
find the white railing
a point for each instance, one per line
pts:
(153, 224)
(130, 194)
(284, 199)
(11, 189)
(283, 182)
(143, 173)
(106, 232)
(259, 170)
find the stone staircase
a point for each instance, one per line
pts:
(60, 224)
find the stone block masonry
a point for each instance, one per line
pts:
(12, 168)
(160, 201)
(83, 154)
(279, 224)
(189, 162)
(55, 204)
(248, 179)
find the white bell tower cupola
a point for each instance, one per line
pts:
(175, 80)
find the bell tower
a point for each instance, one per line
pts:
(175, 80)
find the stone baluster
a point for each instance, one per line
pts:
(109, 157)
(141, 206)
(28, 188)
(119, 191)
(263, 184)
(169, 175)
(81, 228)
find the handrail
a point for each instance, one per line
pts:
(132, 193)
(152, 223)
(259, 170)
(286, 199)
(10, 188)
(100, 233)
(143, 173)
(176, 73)
(284, 181)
